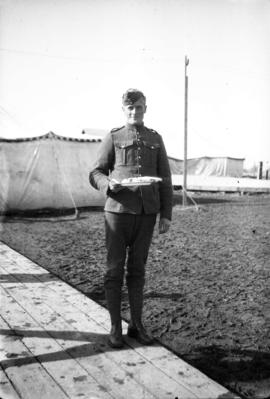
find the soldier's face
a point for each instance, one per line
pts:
(134, 113)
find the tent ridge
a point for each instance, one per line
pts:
(49, 135)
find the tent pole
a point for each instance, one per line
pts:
(185, 136)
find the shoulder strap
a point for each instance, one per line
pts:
(116, 128)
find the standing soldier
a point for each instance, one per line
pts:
(131, 151)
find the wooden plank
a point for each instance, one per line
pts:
(160, 357)
(66, 371)
(157, 356)
(163, 359)
(227, 184)
(77, 345)
(7, 390)
(143, 371)
(161, 383)
(106, 357)
(25, 379)
(146, 372)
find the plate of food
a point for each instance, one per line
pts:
(140, 181)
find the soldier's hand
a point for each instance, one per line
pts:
(164, 225)
(115, 185)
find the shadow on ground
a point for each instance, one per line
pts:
(235, 368)
(27, 278)
(86, 344)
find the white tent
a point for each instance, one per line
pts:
(209, 166)
(47, 172)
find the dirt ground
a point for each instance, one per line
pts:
(207, 293)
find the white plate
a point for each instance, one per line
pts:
(144, 182)
(130, 184)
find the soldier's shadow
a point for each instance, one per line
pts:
(92, 344)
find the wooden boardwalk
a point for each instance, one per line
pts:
(53, 345)
(223, 183)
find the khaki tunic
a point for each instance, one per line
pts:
(133, 151)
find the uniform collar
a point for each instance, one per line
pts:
(138, 128)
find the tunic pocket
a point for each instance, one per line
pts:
(125, 152)
(151, 152)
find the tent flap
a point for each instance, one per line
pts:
(206, 166)
(47, 173)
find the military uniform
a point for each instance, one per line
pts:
(130, 214)
(132, 151)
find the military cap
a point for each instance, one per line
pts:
(131, 96)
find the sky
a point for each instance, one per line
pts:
(64, 65)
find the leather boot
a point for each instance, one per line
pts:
(140, 334)
(136, 329)
(115, 337)
(113, 297)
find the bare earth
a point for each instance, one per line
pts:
(207, 295)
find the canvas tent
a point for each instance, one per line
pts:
(47, 172)
(209, 166)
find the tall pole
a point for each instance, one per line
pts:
(185, 136)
